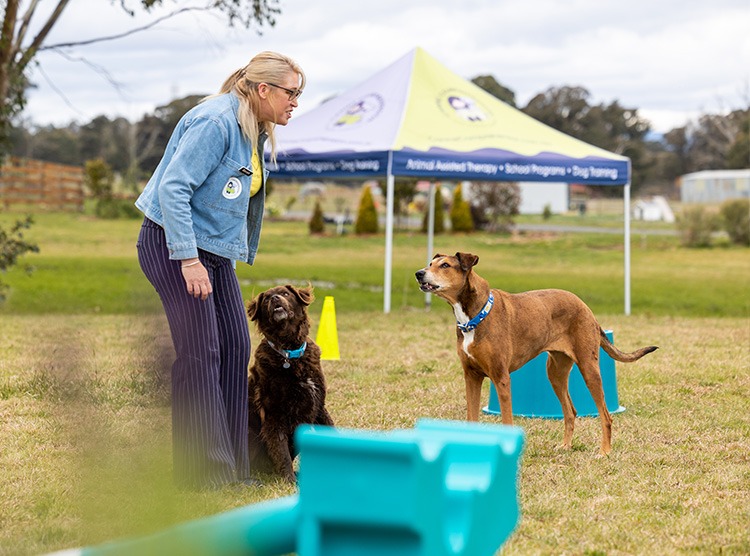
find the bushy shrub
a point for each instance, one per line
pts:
(499, 202)
(317, 224)
(547, 212)
(367, 215)
(99, 180)
(696, 225)
(735, 219)
(12, 246)
(461, 220)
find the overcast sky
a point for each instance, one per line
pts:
(671, 59)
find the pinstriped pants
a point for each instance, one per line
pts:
(210, 373)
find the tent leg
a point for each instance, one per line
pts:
(388, 244)
(627, 247)
(430, 237)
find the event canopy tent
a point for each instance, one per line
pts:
(417, 118)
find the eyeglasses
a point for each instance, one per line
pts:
(294, 94)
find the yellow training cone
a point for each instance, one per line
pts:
(328, 339)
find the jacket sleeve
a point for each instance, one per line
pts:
(198, 152)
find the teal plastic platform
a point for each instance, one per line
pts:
(533, 396)
(444, 488)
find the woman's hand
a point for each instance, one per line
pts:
(196, 278)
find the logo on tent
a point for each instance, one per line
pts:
(361, 111)
(458, 105)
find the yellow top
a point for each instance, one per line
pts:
(257, 179)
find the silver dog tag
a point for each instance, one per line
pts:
(286, 364)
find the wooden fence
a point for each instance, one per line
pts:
(41, 185)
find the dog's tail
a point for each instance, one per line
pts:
(618, 355)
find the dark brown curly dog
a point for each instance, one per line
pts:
(287, 386)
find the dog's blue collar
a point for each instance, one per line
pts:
(473, 323)
(290, 353)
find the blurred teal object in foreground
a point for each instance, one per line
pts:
(443, 488)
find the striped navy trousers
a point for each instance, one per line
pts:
(210, 373)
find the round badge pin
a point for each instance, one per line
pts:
(232, 189)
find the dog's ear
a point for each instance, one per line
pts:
(305, 295)
(467, 261)
(254, 307)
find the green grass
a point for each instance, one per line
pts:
(84, 399)
(86, 447)
(89, 266)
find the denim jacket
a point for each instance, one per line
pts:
(200, 191)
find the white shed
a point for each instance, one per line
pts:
(715, 186)
(654, 209)
(536, 195)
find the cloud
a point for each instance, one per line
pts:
(670, 59)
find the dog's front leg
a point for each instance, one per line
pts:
(473, 382)
(277, 446)
(502, 387)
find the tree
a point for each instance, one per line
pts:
(738, 154)
(367, 215)
(461, 220)
(490, 84)
(153, 131)
(56, 144)
(108, 140)
(609, 126)
(18, 50)
(563, 108)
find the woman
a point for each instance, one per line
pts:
(203, 209)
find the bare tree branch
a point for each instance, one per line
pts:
(126, 33)
(56, 89)
(30, 52)
(101, 70)
(25, 21)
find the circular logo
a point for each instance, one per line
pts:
(461, 106)
(232, 189)
(363, 110)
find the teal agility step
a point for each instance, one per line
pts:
(443, 488)
(532, 394)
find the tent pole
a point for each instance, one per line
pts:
(430, 236)
(388, 243)
(627, 247)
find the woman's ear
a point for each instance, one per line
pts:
(263, 90)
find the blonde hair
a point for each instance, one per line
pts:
(266, 67)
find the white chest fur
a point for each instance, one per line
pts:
(463, 318)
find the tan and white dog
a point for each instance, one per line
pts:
(499, 332)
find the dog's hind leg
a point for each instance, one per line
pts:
(558, 372)
(593, 378)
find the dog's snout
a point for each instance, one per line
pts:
(420, 274)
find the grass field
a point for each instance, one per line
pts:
(84, 414)
(89, 266)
